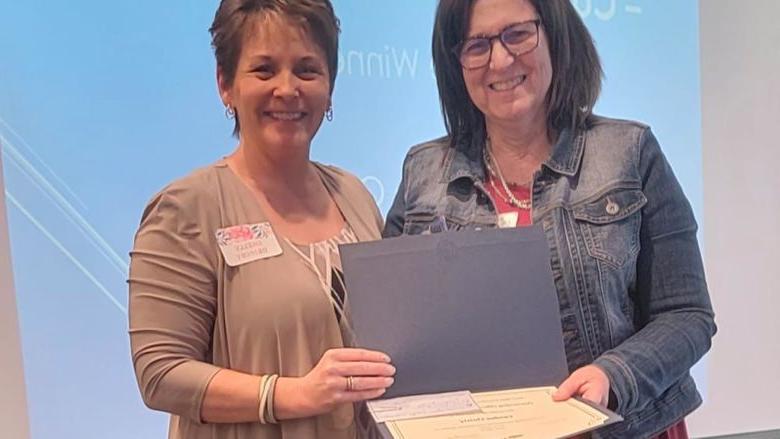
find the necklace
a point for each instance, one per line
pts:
(496, 172)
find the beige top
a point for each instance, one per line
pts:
(191, 314)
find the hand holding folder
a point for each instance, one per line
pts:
(470, 310)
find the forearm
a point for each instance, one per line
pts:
(234, 397)
(231, 397)
(674, 305)
(644, 366)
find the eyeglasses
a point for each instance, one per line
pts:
(518, 39)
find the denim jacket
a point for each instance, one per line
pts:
(624, 256)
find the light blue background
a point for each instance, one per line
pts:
(103, 103)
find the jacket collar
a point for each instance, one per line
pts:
(464, 161)
(567, 153)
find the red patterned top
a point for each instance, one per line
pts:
(676, 431)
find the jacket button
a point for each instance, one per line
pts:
(612, 207)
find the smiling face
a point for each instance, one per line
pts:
(508, 88)
(281, 87)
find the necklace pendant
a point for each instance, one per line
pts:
(507, 220)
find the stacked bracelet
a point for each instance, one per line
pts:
(269, 411)
(266, 393)
(262, 394)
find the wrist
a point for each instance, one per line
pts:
(289, 399)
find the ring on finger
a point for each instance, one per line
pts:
(350, 384)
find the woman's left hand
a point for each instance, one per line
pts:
(589, 382)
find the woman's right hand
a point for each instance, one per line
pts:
(328, 384)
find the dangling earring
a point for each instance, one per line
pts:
(329, 113)
(230, 112)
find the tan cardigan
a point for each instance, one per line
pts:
(191, 314)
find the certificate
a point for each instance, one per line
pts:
(519, 413)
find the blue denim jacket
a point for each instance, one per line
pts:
(624, 255)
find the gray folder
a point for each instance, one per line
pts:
(466, 310)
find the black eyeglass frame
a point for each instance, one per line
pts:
(500, 37)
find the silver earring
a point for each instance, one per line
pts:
(230, 112)
(329, 113)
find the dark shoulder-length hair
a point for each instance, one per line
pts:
(229, 28)
(576, 77)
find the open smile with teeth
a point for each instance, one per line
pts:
(508, 84)
(286, 115)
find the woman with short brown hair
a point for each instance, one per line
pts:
(238, 313)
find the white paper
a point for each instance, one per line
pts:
(517, 413)
(422, 406)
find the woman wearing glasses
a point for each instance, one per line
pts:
(517, 82)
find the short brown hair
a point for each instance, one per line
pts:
(576, 78)
(229, 27)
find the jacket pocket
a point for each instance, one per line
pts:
(610, 225)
